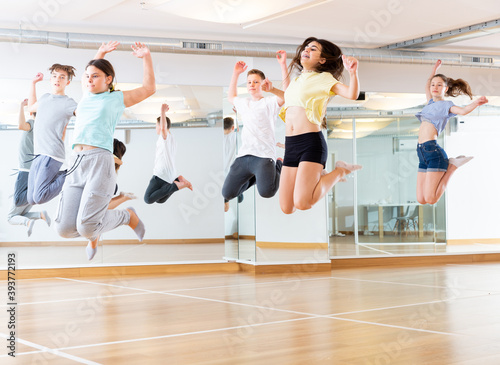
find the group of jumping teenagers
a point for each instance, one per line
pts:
(312, 78)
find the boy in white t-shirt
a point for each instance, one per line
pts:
(165, 181)
(256, 160)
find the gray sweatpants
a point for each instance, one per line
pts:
(45, 181)
(83, 205)
(21, 216)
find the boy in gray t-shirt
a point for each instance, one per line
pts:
(53, 114)
(19, 213)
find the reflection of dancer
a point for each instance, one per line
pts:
(435, 169)
(119, 150)
(303, 181)
(256, 161)
(165, 181)
(19, 213)
(53, 114)
(229, 143)
(83, 208)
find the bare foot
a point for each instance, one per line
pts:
(226, 206)
(460, 160)
(183, 183)
(348, 168)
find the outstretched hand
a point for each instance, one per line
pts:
(482, 100)
(140, 50)
(281, 57)
(24, 103)
(108, 47)
(240, 67)
(350, 63)
(267, 85)
(437, 65)
(38, 77)
(164, 108)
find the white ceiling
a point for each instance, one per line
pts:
(360, 24)
(366, 23)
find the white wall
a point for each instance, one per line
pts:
(473, 192)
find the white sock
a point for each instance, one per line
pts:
(30, 225)
(140, 230)
(460, 160)
(90, 251)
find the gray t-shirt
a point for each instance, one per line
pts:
(52, 115)
(26, 147)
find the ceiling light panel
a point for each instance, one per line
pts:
(234, 11)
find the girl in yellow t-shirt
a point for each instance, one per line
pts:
(303, 179)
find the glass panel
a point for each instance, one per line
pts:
(391, 221)
(229, 150)
(341, 197)
(246, 226)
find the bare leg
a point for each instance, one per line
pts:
(312, 184)
(421, 177)
(435, 184)
(286, 190)
(136, 224)
(94, 243)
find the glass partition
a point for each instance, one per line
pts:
(376, 212)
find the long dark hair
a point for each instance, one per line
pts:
(455, 87)
(329, 51)
(106, 67)
(119, 150)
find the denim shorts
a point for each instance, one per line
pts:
(432, 157)
(310, 147)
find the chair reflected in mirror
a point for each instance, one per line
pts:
(407, 219)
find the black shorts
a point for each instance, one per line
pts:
(309, 147)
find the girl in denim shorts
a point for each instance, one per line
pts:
(435, 169)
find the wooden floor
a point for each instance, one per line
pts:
(398, 315)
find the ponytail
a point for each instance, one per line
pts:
(456, 87)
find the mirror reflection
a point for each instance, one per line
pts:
(186, 228)
(379, 214)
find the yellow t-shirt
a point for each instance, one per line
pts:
(310, 90)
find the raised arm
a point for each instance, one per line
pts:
(22, 125)
(428, 94)
(268, 87)
(32, 101)
(285, 77)
(468, 108)
(352, 91)
(239, 68)
(105, 48)
(161, 128)
(148, 87)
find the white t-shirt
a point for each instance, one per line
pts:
(164, 160)
(229, 150)
(257, 134)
